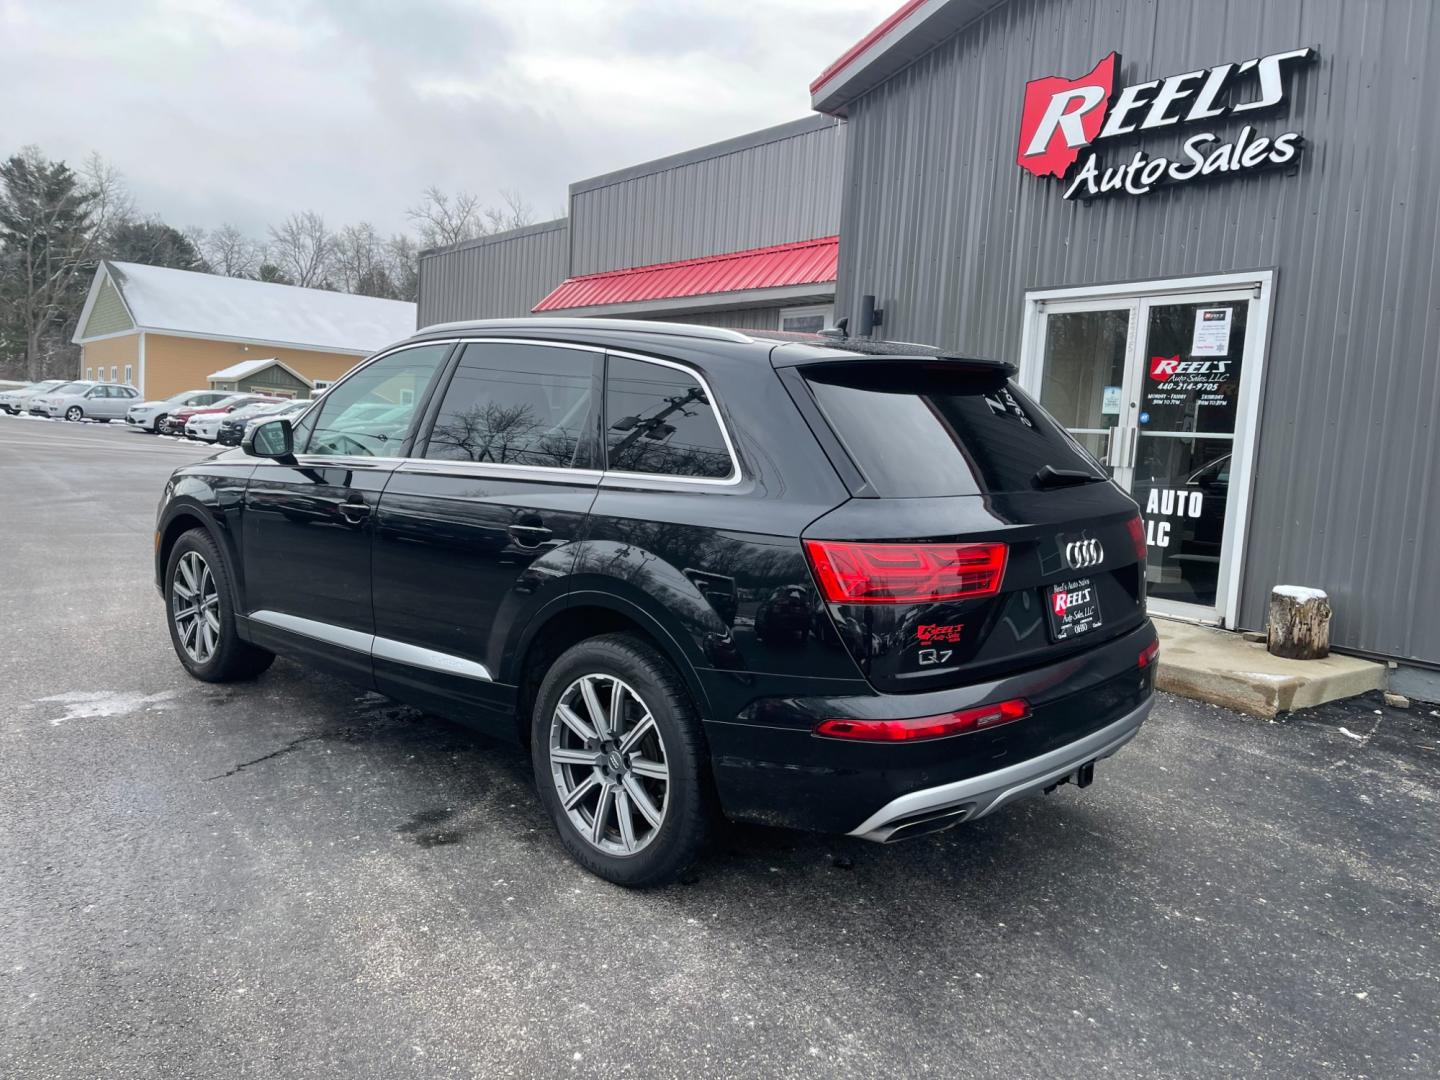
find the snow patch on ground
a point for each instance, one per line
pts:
(85, 704)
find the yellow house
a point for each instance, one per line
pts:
(166, 331)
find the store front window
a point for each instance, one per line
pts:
(1156, 385)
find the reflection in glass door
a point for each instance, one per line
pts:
(1151, 385)
(1084, 358)
(1192, 361)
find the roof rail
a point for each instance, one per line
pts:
(628, 326)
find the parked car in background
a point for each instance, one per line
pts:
(175, 423)
(567, 534)
(84, 400)
(232, 427)
(16, 402)
(149, 415)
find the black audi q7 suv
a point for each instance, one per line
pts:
(791, 579)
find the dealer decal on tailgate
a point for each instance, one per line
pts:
(1073, 608)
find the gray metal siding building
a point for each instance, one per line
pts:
(961, 246)
(740, 197)
(494, 277)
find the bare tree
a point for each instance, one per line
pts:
(231, 253)
(303, 249)
(402, 259)
(514, 212)
(447, 219)
(361, 263)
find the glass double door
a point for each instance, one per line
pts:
(1151, 387)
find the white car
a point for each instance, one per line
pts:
(17, 401)
(85, 400)
(205, 426)
(149, 415)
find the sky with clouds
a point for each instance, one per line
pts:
(245, 111)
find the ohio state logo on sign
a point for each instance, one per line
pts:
(1062, 117)
(1163, 367)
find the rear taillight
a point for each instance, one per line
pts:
(905, 573)
(1150, 653)
(926, 727)
(1137, 536)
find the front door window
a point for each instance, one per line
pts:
(1151, 386)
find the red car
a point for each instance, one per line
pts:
(174, 424)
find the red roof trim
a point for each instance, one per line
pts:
(808, 262)
(864, 43)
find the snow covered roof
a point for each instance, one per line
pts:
(235, 309)
(246, 368)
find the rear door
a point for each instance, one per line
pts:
(984, 540)
(307, 526)
(474, 537)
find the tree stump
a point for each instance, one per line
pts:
(1299, 623)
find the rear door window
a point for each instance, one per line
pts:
(921, 429)
(660, 420)
(515, 404)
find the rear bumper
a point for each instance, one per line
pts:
(966, 800)
(771, 768)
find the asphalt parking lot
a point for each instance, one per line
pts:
(295, 878)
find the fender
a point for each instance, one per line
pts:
(214, 496)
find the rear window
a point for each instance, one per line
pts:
(918, 429)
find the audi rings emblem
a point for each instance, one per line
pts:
(1083, 554)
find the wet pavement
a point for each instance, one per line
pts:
(295, 878)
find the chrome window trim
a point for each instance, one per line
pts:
(409, 464)
(735, 477)
(376, 647)
(453, 467)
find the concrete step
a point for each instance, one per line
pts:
(1223, 668)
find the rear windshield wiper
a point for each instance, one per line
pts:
(1051, 477)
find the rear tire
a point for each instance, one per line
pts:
(648, 761)
(200, 612)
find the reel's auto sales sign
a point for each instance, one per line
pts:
(1064, 118)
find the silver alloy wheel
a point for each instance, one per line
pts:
(195, 607)
(609, 766)
(74, 413)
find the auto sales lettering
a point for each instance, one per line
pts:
(1063, 117)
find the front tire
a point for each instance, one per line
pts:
(200, 611)
(74, 414)
(620, 761)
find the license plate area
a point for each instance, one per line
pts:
(1073, 607)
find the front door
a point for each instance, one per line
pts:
(1157, 386)
(307, 524)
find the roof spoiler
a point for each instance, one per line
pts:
(782, 357)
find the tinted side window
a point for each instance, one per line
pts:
(659, 420)
(372, 412)
(518, 405)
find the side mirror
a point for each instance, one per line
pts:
(270, 439)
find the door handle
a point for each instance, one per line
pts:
(529, 535)
(354, 512)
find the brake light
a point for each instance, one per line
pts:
(1150, 653)
(926, 727)
(905, 573)
(1137, 536)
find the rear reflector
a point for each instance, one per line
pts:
(905, 573)
(1137, 536)
(926, 727)
(1150, 653)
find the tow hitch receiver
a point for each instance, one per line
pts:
(1082, 777)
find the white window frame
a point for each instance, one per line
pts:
(826, 311)
(1247, 419)
(129, 374)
